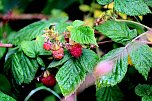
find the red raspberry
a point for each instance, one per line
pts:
(49, 80)
(47, 46)
(58, 54)
(76, 50)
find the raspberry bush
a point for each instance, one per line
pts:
(65, 57)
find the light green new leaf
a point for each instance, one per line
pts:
(4, 97)
(141, 56)
(34, 48)
(83, 35)
(2, 52)
(117, 31)
(73, 72)
(56, 63)
(131, 7)
(119, 57)
(23, 69)
(109, 94)
(77, 23)
(104, 2)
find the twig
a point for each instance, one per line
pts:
(6, 45)
(99, 43)
(134, 23)
(23, 16)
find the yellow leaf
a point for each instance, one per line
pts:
(84, 8)
(98, 13)
(123, 16)
(130, 61)
(141, 17)
(89, 22)
(110, 6)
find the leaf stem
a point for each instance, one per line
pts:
(119, 20)
(41, 88)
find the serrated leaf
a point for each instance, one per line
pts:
(30, 32)
(117, 61)
(61, 27)
(34, 48)
(2, 52)
(56, 63)
(104, 2)
(143, 90)
(148, 2)
(141, 56)
(4, 97)
(109, 94)
(147, 98)
(131, 7)
(73, 72)
(117, 31)
(23, 69)
(33, 30)
(77, 23)
(83, 35)
(40, 61)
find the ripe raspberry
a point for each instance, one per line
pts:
(58, 54)
(49, 80)
(47, 46)
(76, 50)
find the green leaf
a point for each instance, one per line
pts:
(73, 72)
(131, 7)
(118, 59)
(147, 98)
(109, 94)
(33, 30)
(148, 2)
(4, 97)
(117, 31)
(104, 2)
(141, 56)
(40, 61)
(143, 90)
(61, 27)
(2, 52)
(23, 68)
(34, 48)
(83, 35)
(30, 32)
(56, 63)
(4, 84)
(77, 23)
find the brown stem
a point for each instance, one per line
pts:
(99, 43)
(6, 45)
(23, 16)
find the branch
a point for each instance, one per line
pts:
(23, 16)
(148, 28)
(99, 43)
(6, 45)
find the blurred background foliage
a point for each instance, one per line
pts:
(86, 10)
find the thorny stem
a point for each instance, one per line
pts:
(6, 45)
(41, 88)
(23, 16)
(134, 23)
